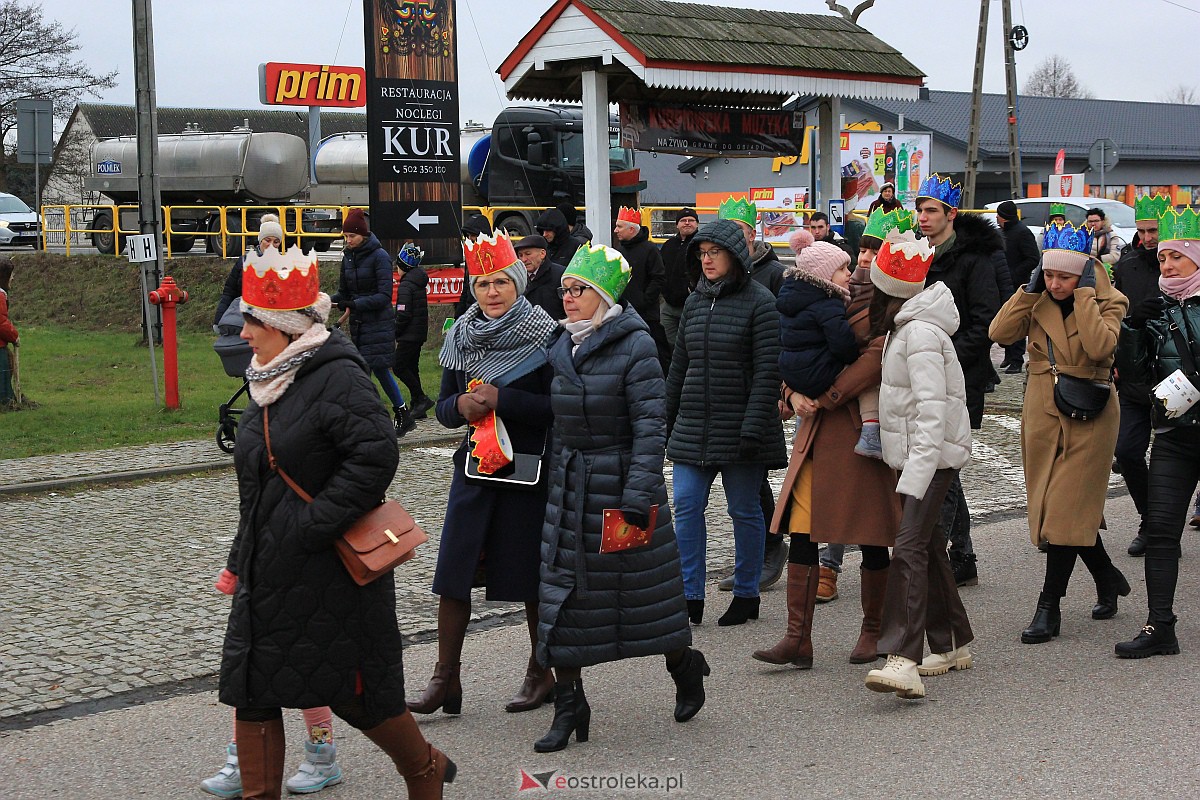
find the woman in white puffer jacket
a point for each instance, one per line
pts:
(927, 437)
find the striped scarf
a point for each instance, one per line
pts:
(489, 348)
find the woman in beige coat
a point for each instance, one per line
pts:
(1070, 308)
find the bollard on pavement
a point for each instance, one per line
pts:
(168, 296)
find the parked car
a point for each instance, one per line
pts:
(1035, 210)
(18, 222)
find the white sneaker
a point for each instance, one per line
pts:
(898, 675)
(228, 782)
(318, 771)
(941, 663)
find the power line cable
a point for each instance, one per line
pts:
(342, 36)
(1181, 5)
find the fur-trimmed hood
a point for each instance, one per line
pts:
(830, 288)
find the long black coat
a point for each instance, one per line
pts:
(542, 290)
(609, 431)
(646, 274)
(676, 285)
(969, 273)
(1021, 252)
(1136, 276)
(724, 379)
(366, 285)
(412, 306)
(501, 524)
(301, 632)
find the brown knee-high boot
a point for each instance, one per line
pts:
(796, 645)
(425, 768)
(874, 588)
(260, 757)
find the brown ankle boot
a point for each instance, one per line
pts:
(425, 768)
(535, 691)
(260, 758)
(444, 691)
(874, 587)
(796, 645)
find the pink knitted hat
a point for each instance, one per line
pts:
(821, 259)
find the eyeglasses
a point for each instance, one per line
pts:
(710, 253)
(499, 284)
(575, 291)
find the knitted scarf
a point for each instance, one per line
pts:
(1181, 288)
(487, 348)
(269, 381)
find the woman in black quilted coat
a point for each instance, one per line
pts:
(722, 403)
(365, 295)
(301, 632)
(609, 433)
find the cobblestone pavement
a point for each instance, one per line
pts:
(111, 586)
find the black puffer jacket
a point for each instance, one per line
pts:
(301, 631)
(969, 273)
(1136, 276)
(412, 307)
(609, 431)
(647, 274)
(676, 287)
(563, 248)
(366, 286)
(723, 386)
(766, 268)
(814, 332)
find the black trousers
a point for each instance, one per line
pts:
(1133, 440)
(1060, 563)
(1174, 470)
(406, 364)
(956, 519)
(1015, 353)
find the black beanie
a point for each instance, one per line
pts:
(684, 213)
(1007, 210)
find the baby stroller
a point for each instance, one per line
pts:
(235, 357)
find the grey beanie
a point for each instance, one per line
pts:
(723, 233)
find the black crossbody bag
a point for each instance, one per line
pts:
(1078, 398)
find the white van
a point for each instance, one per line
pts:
(1035, 211)
(18, 222)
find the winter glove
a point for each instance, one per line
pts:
(747, 448)
(1146, 310)
(344, 305)
(636, 518)
(1087, 280)
(1037, 281)
(226, 582)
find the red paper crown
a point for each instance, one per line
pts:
(489, 254)
(905, 260)
(278, 281)
(630, 215)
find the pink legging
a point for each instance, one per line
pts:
(320, 717)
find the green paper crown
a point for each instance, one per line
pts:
(1176, 225)
(741, 210)
(1058, 209)
(1150, 207)
(601, 267)
(881, 222)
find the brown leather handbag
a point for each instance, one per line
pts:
(381, 540)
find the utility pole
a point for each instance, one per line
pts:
(149, 195)
(1015, 187)
(976, 109)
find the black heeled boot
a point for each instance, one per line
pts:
(572, 714)
(1154, 639)
(695, 611)
(740, 610)
(1046, 622)
(689, 677)
(1107, 591)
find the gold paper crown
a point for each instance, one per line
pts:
(278, 281)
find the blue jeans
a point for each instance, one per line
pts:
(692, 485)
(384, 376)
(832, 556)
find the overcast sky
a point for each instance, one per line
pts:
(207, 53)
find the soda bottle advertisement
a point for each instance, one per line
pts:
(777, 207)
(870, 159)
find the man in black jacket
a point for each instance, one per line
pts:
(1021, 251)
(818, 226)
(412, 326)
(676, 286)
(964, 245)
(544, 275)
(646, 280)
(552, 226)
(1136, 276)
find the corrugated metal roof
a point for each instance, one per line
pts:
(747, 37)
(1157, 131)
(110, 120)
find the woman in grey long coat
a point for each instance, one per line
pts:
(609, 403)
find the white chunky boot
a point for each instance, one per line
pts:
(898, 675)
(941, 663)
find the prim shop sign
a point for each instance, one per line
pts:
(281, 84)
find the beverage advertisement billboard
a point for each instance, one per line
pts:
(870, 159)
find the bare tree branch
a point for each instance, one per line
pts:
(847, 13)
(1054, 78)
(1181, 94)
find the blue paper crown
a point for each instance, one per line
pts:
(410, 255)
(941, 189)
(1067, 237)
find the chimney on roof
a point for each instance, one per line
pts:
(923, 93)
